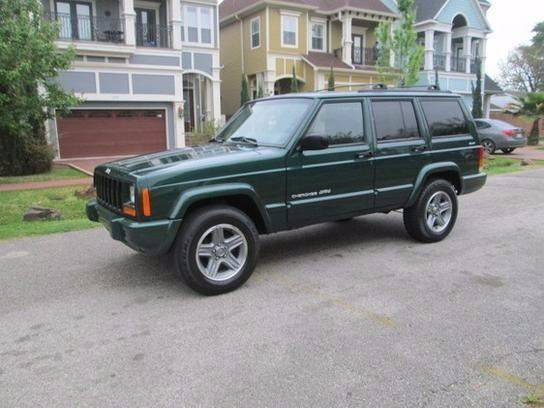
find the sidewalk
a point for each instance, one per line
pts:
(36, 185)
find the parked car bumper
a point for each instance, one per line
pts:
(473, 182)
(150, 238)
(505, 143)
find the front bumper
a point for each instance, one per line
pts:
(473, 183)
(150, 238)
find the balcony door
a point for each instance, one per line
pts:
(357, 49)
(76, 20)
(146, 27)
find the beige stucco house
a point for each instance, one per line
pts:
(265, 39)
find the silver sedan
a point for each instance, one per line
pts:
(496, 134)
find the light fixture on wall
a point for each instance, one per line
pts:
(180, 111)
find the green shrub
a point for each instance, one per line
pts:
(208, 131)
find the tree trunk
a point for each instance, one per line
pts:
(535, 133)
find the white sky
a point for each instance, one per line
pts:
(512, 22)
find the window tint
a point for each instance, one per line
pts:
(444, 117)
(482, 125)
(394, 120)
(341, 122)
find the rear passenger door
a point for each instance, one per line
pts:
(401, 151)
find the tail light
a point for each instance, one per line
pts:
(510, 132)
(481, 158)
(146, 202)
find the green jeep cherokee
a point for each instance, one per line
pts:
(288, 161)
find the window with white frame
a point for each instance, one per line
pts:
(318, 36)
(289, 30)
(197, 24)
(255, 32)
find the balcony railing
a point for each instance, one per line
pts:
(439, 61)
(360, 56)
(87, 28)
(150, 35)
(458, 64)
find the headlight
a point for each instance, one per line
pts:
(132, 194)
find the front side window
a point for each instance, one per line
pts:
(289, 30)
(394, 120)
(270, 122)
(444, 117)
(318, 35)
(342, 123)
(255, 32)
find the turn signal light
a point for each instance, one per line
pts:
(146, 202)
(129, 211)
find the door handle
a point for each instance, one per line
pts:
(364, 155)
(419, 149)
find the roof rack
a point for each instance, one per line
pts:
(378, 85)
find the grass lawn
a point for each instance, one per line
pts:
(502, 165)
(13, 205)
(60, 173)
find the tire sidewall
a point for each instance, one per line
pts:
(185, 256)
(432, 188)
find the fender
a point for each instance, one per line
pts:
(206, 192)
(429, 170)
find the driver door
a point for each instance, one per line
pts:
(335, 182)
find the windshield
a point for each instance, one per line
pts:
(269, 122)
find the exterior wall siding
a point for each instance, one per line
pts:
(153, 84)
(275, 33)
(231, 75)
(254, 59)
(111, 83)
(79, 82)
(148, 59)
(466, 7)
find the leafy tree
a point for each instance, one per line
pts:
(244, 94)
(531, 106)
(477, 109)
(402, 44)
(294, 81)
(524, 67)
(331, 85)
(29, 95)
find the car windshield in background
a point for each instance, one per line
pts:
(269, 122)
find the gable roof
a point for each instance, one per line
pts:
(428, 9)
(491, 87)
(230, 7)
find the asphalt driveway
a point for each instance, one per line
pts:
(336, 315)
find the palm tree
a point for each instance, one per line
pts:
(531, 106)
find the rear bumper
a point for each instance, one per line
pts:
(473, 183)
(150, 238)
(508, 142)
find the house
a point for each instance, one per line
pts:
(454, 34)
(266, 39)
(146, 70)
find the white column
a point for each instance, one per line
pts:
(392, 54)
(174, 7)
(179, 125)
(216, 91)
(129, 16)
(467, 50)
(447, 50)
(347, 41)
(269, 76)
(429, 50)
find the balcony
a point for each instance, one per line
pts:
(458, 64)
(439, 61)
(360, 55)
(87, 28)
(150, 35)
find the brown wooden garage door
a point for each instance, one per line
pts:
(95, 133)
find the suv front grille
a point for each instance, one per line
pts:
(110, 193)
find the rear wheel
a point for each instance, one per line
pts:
(508, 150)
(489, 146)
(433, 215)
(217, 249)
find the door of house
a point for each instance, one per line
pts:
(146, 27)
(357, 49)
(75, 20)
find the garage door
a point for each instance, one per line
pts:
(95, 133)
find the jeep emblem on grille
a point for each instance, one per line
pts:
(108, 170)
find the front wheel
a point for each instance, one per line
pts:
(433, 215)
(217, 249)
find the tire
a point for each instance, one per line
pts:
(489, 146)
(219, 269)
(508, 150)
(417, 218)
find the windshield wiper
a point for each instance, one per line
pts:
(247, 140)
(216, 140)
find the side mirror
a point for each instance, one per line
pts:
(314, 142)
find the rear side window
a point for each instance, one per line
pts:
(341, 122)
(394, 120)
(444, 117)
(480, 124)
